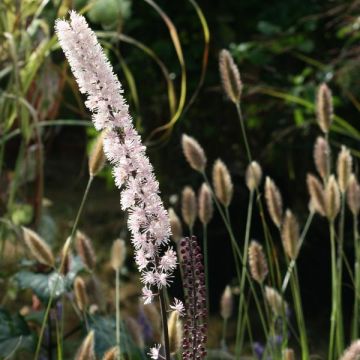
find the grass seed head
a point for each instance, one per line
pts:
(352, 352)
(87, 348)
(290, 235)
(175, 225)
(85, 250)
(253, 176)
(353, 195)
(97, 157)
(118, 254)
(226, 303)
(273, 201)
(321, 157)
(344, 168)
(230, 76)
(194, 153)
(188, 206)
(175, 332)
(317, 194)
(257, 262)
(206, 209)
(39, 249)
(332, 198)
(111, 354)
(81, 297)
(324, 108)
(222, 182)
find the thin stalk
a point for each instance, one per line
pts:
(47, 311)
(49, 345)
(164, 324)
(295, 287)
(206, 264)
(58, 339)
(223, 340)
(333, 353)
(243, 274)
(293, 261)
(340, 273)
(243, 131)
(117, 300)
(355, 332)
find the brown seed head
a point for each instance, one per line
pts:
(288, 354)
(118, 254)
(188, 206)
(273, 201)
(111, 354)
(353, 195)
(332, 198)
(324, 108)
(253, 176)
(290, 235)
(81, 297)
(97, 156)
(317, 195)
(257, 262)
(87, 348)
(39, 249)
(274, 300)
(206, 209)
(194, 153)
(230, 76)
(85, 250)
(344, 168)
(175, 225)
(222, 182)
(175, 332)
(226, 303)
(66, 257)
(352, 352)
(321, 157)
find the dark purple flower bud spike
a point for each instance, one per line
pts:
(195, 325)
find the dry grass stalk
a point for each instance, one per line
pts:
(288, 354)
(226, 303)
(194, 153)
(97, 157)
(332, 198)
(324, 108)
(353, 195)
(118, 254)
(81, 297)
(344, 168)
(321, 157)
(257, 262)
(273, 201)
(290, 235)
(135, 331)
(175, 332)
(87, 348)
(175, 225)
(274, 300)
(39, 249)
(111, 354)
(230, 76)
(188, 206)
(317, 194)
(222, 182)
(206, 209)
(253, 176)
(352, 352)
(85, 250)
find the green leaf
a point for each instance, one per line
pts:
(15, 335)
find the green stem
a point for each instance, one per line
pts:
(293, 261)
(243, 273)
(243, 131)
(46, 315)
(332, 347)
(117, 300)
(355, 332)
(223, 341)
(164, 324)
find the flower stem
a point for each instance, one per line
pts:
(243, 131)
(46, 315)
(355, 330)
(206, 264)
(117, 300)
(164, 324)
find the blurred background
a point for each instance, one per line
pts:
(166, 57)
